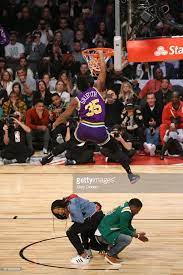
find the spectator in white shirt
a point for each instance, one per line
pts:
(23, 64)
(13, 51)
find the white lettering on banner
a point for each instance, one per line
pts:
(173, 50)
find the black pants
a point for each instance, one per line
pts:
(173, 146)
(60, 129)
(21, 154)
(84, 155)
(113, 149)
(86, 229)
(112, 145)
(81, 155)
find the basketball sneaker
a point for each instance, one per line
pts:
(117, 258)
(79, 260)
(133, 178)
(47, 159)
(112, 260)
(70, 162)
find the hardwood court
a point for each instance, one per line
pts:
(27, 192)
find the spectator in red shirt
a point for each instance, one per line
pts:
(172, 115)
(37, 118)
(153, 85)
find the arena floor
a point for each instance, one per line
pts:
(30, 246)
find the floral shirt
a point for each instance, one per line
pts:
(9, 109)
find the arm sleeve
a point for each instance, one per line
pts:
(132, 228)
(125, 219)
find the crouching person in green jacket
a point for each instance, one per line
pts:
(116, 230)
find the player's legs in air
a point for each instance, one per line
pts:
(113, 149)
(100, 136)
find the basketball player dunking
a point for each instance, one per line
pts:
(91, 109)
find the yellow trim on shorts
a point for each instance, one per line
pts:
(92, 123)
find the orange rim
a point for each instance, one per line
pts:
(108, 52)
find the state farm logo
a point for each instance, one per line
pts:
(172, 50)
(160, 51)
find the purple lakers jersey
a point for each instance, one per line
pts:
(91, 106)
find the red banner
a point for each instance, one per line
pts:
(157, 49)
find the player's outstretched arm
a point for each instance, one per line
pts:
(66, 114)
(100, 83)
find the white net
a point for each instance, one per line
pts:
(92, 58)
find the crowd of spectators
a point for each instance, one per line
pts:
(42, 59)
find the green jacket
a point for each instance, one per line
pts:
(115, 223)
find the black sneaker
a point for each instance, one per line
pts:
(70, 162)
(47, 159)
(133, 178)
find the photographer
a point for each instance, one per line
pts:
(152, 119)
(15, 140)
(125, 146)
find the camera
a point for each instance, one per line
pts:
(10, 119)
(116, 130)
(116, 135)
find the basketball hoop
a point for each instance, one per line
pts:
(92, 58)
